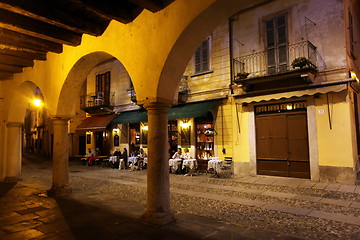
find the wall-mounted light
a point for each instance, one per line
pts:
(145, 127)
(115, 130)
(289, 107)
(353, 75)
(185, 124)
(38, 102)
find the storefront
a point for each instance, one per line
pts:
(95, 131)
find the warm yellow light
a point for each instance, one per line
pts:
(353, 75)
(145, 128)
(185, 124)
(289, 107)
(37, 102)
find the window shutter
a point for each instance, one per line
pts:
(197, 61)
(205, 55)
(202, 57)
(276, 43)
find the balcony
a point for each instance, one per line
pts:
(257, 71)
(99, 102)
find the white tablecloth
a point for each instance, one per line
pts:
(215, 164)
(190, 163)
(175, 163)
(132, 160)
(113, 159)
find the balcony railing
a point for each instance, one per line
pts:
(256, 64)
(96, 100)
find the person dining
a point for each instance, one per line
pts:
(178, 154)
(186, 154)
(175, 162)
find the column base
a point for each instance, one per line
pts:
(58, 191)
(12, 179)
(158, 218)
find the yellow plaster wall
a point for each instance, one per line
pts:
(334, 145)
(213, 84)
(224, 130)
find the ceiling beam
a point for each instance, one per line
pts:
(53, 15)
(17, 61)
(8, 37)
(21, 52)
(111, 9)
(151, 5)
(10, 68)
(5, 75)
(38, 29)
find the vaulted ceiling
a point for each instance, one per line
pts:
(31, 28)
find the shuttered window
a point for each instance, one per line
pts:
(277, 44)
(202, 57)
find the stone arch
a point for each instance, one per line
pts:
(75, 79)
(20, 99)
(190, 39)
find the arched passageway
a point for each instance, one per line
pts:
(155, 50)
(10, 170)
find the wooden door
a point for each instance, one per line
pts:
(282, 145)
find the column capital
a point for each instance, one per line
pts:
(157, 105)
(14, 124)
(60, 119)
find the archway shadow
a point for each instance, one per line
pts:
(112, 219)
(6, 187)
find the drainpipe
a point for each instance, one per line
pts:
(231, 54)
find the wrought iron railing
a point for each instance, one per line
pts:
(256, 64)
(99, 99)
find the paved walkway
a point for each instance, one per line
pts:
(94, 213)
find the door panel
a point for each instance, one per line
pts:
(282, 145)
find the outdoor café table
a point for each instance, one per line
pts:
(113, 159)
(215, 164)
(190, 164)
(174, 164)
(132, 160)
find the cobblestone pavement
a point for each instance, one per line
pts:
(107, 203)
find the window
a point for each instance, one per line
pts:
(351, 35)
(277, 44)
(102, 88)
(202, 57)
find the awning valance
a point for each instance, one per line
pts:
(131, 117)
(191, 110)
(300, 93)
(95, 123)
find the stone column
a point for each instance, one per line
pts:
(13, 155)
(158, 183)
(60, 180)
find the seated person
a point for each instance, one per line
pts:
(141, 156)
(186, 154)
(89, 157)
(97, 152)
(178, 154)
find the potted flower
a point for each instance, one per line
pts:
(300, 62)
(242, 75)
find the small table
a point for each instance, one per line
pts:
(215, 164)
(175, 164)
(191, 165)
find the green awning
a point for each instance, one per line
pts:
(130, 117)
(191, 110)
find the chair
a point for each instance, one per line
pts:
(121, 164)
(226, 170)
(99, 100)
